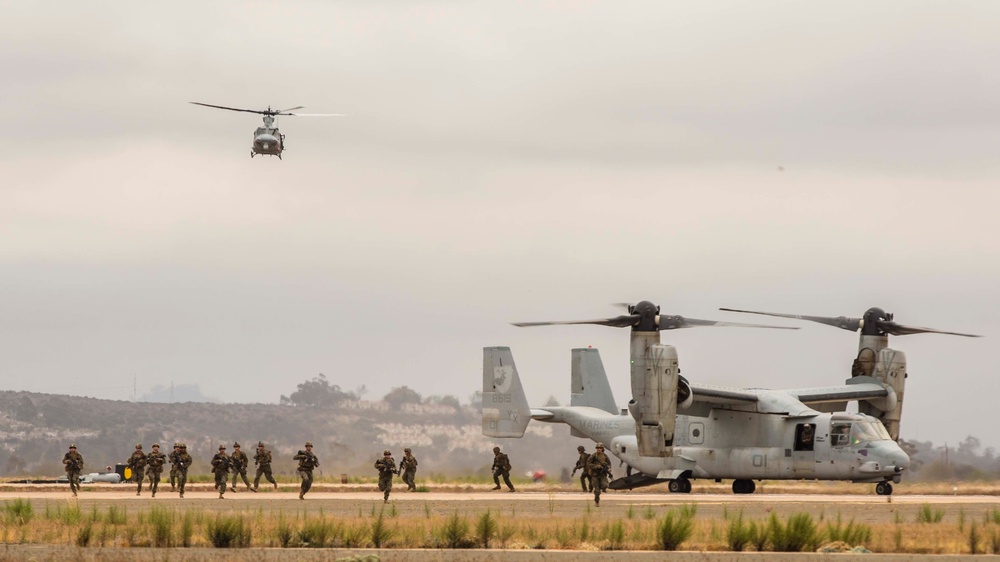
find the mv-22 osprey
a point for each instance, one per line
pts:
(676, 431)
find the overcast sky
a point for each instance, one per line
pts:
(500, 162)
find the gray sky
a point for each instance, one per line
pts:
(501, 162)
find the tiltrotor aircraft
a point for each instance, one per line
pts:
(676, 431)
(268, 139)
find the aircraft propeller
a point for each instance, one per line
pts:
(270, 111)
(645, 317)
(875, 322)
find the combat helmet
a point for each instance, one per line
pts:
(407, 450)
(496, 449)
(386, 453)
(222, 447)
(138, 445)
(309, 443)
(581, 448)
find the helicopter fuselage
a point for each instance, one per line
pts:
(736, 444)
(267, 140)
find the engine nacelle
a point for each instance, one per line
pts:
(654, 375)
(890, 370)
(685, 396)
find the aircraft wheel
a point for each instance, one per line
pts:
(676, 487)
(687, 486)
(883, 489)
(743, 486)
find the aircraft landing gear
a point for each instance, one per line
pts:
(679, 486)
(883, 489)
(251, 154)
(743, 486)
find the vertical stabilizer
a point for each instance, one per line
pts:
(505, 407)
(589, 382)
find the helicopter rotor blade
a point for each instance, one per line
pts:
(230, 108)
(895, 329)
(617, 322)
(678, 322)
(282, 111)
(849, 324)
(315, 114)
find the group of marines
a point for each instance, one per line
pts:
(150, 465)
(596, 469)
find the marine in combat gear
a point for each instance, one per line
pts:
(408, 469)
(172, 458)
(581, 464)
(184, 461)
(599, 466)
(220, 467)
(73, 463)
(239, 461)
(501, 467)
(137, 463)
(154, 467)
(386, 467)
(262, 458)
(307, 463)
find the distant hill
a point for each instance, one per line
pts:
(447, 439)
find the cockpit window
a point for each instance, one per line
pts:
(865, 431)
(840, 433)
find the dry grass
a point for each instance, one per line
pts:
(607, 528)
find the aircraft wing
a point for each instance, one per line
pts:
(859, 391)
(723, 394)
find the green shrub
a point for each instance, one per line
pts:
(283, 531)
(674, 529)
(187, 529)
(71, 515)
(757, 533)
(162, 522)
(354, 537)
(973, 539)
(380, 532)
(19, 511)
(928, 514)
(84, 534)
(116, 515)
(228, 531)
(854, 534)
(737, 534)
(797, 535)
(316, 532)
(486, 528)
(615, 535)
(454, 533)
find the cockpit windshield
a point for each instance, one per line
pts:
(854, 433)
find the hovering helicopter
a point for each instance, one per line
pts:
(267, 139)
(723, 433)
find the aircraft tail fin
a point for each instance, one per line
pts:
(505, 407)
(589, 381)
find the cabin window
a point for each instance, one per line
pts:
(840, 433)
(805, 436)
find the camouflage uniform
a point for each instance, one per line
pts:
(386, 468)
(408, 466)
(307, 462)
(581, 464)
(262, 458)
(184, 461)
(173, 457)
(501, 467)
(220, 466)
(137, 462)
(74, 465)
(239, 461)
(599, 466)
(154, 467)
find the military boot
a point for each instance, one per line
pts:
(221, 497)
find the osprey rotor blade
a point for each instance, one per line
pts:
(895, 329)
(849, 324)
(315, 114)
(678, 322)
(617, 322)
(230, 108)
